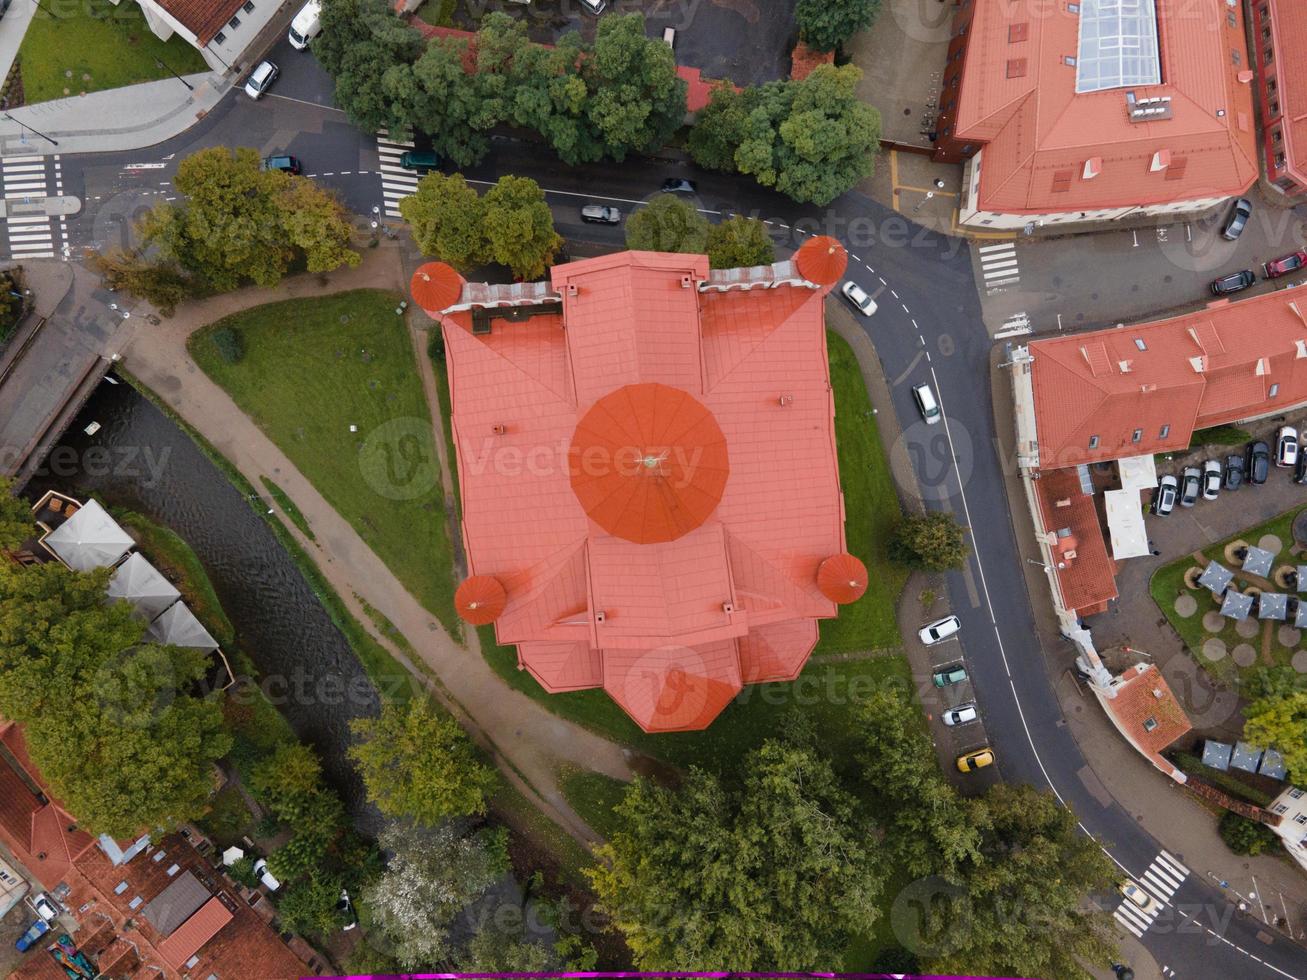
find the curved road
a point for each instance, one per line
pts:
(928, 328)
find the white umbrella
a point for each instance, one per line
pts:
(232, 855)
(89, 539)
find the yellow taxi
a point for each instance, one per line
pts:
(977, 759)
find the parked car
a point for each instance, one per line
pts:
(939, 631)
(926, 403)
(306, 25)
(285, 163)
(595, 7)
(857, 296)
(1239, 215)
(1284, 265)
(962, 714)
(44, 906)
(678, 185)
(1211, 480)
(1190, 482)
(265, 876)
(1286, 446)
(1258, 462)
(1168, 488)
(978, 759)
(949, 674)
(1233, 283)
(1300, 471)
(598, 214)
(34, 932)
(1234, 472)
(345, 909)
(419, 161)
(1136, 896)
(261, 79)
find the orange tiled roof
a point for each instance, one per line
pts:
(1289, 35)
(203, 18)
(672, 623)
(1018, 97)
(1226, 363)
(192, 934)
(1137, 701)
(1086, 573)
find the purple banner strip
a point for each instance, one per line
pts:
(724, 975)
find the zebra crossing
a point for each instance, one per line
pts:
(1160, 881)
(998, 265)
(396, 182)
(33, 236)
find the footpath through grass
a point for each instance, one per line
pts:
(94, 45)
(333, 382)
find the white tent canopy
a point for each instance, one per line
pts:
(140, 583)
(89, 539)
(1125, 522)
(178, 627)
(1137, 472)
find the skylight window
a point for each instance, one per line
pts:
(1118, 45)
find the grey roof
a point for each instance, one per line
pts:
(89, 539)
(143, 585)
(1258, 561)
(1300, 615)
(1245, 757)
(1272, 605)
(178, 627)
(1301, 572)
(1216, 755)
(1118, 45)
(176, 903)
(1216, 577)
(1236, 605)
(1272, 764)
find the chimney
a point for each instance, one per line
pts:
(1161, 160)
(785, 400)
(499, 429)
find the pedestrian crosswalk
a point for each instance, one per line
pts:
(396, 182)
(26, 179)
(998, 264)
(1160, 881)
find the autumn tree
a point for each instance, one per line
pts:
(1277, 718)
(447, 217)
(667, 224)
(162, 284)
(16, 521)
(739, 242)
(933, 542)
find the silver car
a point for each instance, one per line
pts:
(858, 298)
(261, 79)
(962, 714)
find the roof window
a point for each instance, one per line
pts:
(1139, 342)
(1093, 442)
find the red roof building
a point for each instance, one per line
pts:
(1058, 127)
(1085, 572)
(1280, 35)
(1146, 711)
(647, 457)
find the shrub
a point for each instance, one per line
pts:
(933, 542)
(1219, 435)
(229, 343)
(1244, 836)
(243, 871)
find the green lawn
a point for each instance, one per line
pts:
(1168, 583)
(314, 368)
(93, 45)
(280, 499)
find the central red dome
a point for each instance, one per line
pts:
(648, 463)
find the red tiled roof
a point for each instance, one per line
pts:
(804, 59)
(192, 934)
(203, 18)
(1137, 701)
(670, 625)
(1039, 132)
(1226, 363)
(1289, 36)
(1086, 574)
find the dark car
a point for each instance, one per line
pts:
(1300, 468)
(678, 185)
(1233, 283)
(1239, 215)
(285, 163)
(1258, 462)
(1284, 265)
(420, 161)
(1234, 472)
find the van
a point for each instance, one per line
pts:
(420, 161)
(306, 25)
(926, 404)
(669, 37)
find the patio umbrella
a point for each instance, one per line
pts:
(232, 855)
(1258, 561)
(1216, 577)
(143, 586)
(842, 578)
(89, 539)
(1236, 605)
(822, 260)
(436, 286)
(480, 599)
(1272, 605)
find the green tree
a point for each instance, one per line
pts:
(772, 875)
(309, 905)
(367, 50)
(16, 521)
(720, 126)
(498, 950)
(667, 224)
(636, 101)
(288, 781)
(739, 242)
(317, 225)
(827, 24)
(519, 227)
(418, 762)
(447, 217)
(1279, 720)
(811, 140)
(933, 542)
(1244, 836)
(162, 284)
(454, 105)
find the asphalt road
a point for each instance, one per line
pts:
(928, 328)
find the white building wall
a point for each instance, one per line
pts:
(1291, 805)
(228, 47)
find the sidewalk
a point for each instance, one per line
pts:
(529, 742)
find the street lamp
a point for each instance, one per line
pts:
(52, 140)
(159, 63)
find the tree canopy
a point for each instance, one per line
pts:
(667, 224)
(933, 542)
(446, 216)
(418, 762)
(826, 24)
(738, 242)
(1278, 719)
(16, 521)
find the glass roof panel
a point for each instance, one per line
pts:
(1118, 45)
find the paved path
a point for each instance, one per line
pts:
(529, 742)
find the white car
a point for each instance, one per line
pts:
(939, 631)
(1136, 896)
(858, 298)
(1211, 480)
(926, 403)
(265, 876)
(45, 907)
(960, 715)
(1286, 446)
(261, 79)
